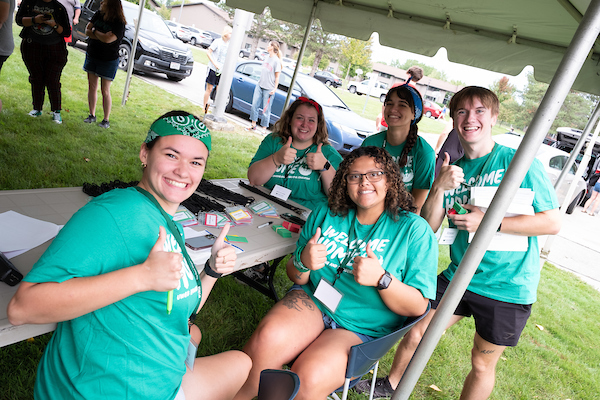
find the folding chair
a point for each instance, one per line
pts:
(278, 384)
(365, 356)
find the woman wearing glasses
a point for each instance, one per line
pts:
(362, 265)
(297, 155)
(403, 109)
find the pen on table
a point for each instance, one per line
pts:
(265, 224)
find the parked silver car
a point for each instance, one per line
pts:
(553, 161)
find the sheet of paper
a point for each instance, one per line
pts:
(506, 242)
(19, 232)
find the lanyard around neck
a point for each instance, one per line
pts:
(296, 162)
(352, 235)
(177, 235)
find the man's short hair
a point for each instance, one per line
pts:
(416, 72)
(486, 96)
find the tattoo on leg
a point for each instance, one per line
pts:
(484, 351)
(296, 299)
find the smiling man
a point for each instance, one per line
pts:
(504, 287)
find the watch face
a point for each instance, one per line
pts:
(384, 281)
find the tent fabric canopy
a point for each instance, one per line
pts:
(501, 36)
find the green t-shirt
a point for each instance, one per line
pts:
(304, 182)
(419, 171)
(509, 276)
(131, 349)
(407, 248)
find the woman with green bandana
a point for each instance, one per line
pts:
(297, 155)
(122, 288)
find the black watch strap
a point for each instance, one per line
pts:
(326, 166)
(210, 272)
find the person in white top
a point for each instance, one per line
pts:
(216, 58)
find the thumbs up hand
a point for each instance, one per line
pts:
(162, 269)
(316, 161)
(314, 254)
(367, 270)
(450, 176)
(286, 155)
(223, 257)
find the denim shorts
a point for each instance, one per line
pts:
(331, 324)
(104, 69)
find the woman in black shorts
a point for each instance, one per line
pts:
(105, 30)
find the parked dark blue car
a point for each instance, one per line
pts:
(346, 129)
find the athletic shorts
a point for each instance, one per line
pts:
(104, 69)
(213, 78)
(497, 322)
(331, 324)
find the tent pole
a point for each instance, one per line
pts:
(567, 71)
(301, 54)
(132, 54)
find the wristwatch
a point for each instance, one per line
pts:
(326, 166)
(384, 281)
(55, 27)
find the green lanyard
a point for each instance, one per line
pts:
(352, 253)
(177, 235)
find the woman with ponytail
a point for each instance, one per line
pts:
(403, 109)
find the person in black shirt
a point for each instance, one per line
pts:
(45, 25)
(105, 31)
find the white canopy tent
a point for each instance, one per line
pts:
(502, 36)
(556, 37)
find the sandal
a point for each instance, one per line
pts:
(592, 214)
(252, 128)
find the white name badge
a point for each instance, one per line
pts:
(448, 236)
(191, 354)
(281, 192)
(328, 295)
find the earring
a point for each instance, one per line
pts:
(143, 165)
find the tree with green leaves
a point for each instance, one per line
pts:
(356, 54)
(323, 46)
(575, 111)
(265, 26)
(506, 96)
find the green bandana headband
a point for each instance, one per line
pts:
(186, 125)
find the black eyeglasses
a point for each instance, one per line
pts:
(372, 176)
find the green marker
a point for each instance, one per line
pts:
(169, 301)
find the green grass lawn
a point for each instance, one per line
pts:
(562, 361)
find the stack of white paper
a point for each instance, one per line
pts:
(19, 233)
(522, 204)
